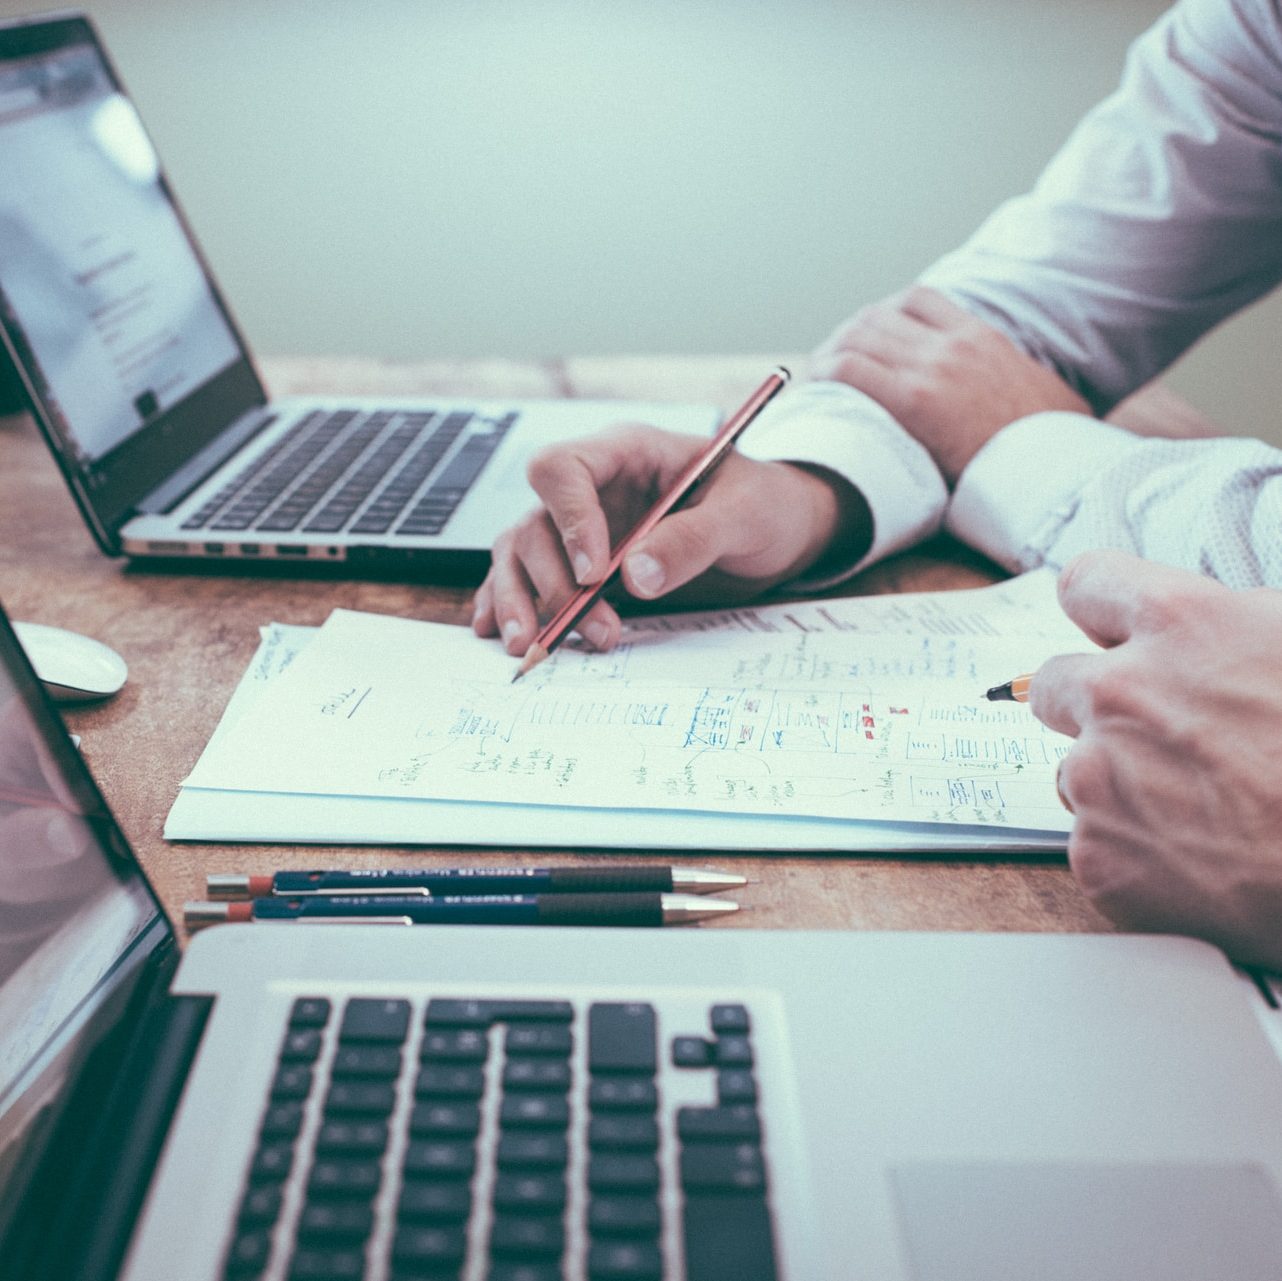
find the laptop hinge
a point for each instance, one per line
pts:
(199, 467)
(80, 1208)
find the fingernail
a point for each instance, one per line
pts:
(582, 564)
(646, 573)
(597, 634)
(511, 630)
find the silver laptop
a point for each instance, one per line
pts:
(147, 393)
(530, 1104)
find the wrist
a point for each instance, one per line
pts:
(841, 526)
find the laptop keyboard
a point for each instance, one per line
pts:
(367, 473)
(505, 1140)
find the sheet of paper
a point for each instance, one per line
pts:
(200, 814)
(797, 724)
(1024, 607)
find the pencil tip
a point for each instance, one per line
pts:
(533, 657)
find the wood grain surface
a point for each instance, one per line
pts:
(188, 638)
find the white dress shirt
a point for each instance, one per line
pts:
(1160, 216)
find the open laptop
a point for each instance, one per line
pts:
(147, 393)
(531, 1104)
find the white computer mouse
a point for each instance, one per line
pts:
(73, 668)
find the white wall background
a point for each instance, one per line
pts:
(531, 177)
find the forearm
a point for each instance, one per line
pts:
(1054, 485)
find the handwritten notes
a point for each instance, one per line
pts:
(860, 709)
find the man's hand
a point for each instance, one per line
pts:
(950, 380)
(751, 525)
(1175, 778)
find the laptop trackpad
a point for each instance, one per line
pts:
(990, 1222)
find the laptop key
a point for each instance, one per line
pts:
(385, 1022)
(462, 1046)
(335, 1221)
(691, 1052)
(539, 1040)
(736, 1085)
(725, 1167)
(352, 1138)
(732, 1124)
(327, 1265)
(624, 1216)
(360, 1098)
(444, 1012)
(532, 1151)
(292, 1082)
(431, 1244)
(446, 1081)
(532, 1011)
(444, 1160)
(527, 1237)
(536, 1074)
(248, 1253)
(730, 1018)
(529, 1193)
(452, 1119)
(626, 1095)
(281, 1121)
(727, 1236)
(733, 1051)
(622, 1172)
(366, 1061)
(301, 1045)
(623, 1133)
(622, 1038)
(261, 1205)
(437, 1200)
(272, 1162)
(335, 1177)
(506, 1270)
(535, 1112)
(629, 1261)
(309, 1011)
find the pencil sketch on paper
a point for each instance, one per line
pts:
(799, 722)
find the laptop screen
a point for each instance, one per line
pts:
(95, 265)
(75, 911)
(129, 358)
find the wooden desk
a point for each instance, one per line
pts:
(188, 639)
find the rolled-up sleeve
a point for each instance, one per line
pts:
(840, 430)
(1055, 484)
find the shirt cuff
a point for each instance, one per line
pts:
(831, 425)
(1020, 489)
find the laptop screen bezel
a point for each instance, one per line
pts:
(108, 492)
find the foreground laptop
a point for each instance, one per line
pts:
(530, 1104)
(148, 396)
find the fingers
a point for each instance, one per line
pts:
(930, 307)
(1060, 693)
(529, 568)
(1110, 595)
(681, 548)
(859, 368)
(569, 480)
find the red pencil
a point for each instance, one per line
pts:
(562, 622)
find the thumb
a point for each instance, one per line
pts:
(680, 548)
(1111, 595)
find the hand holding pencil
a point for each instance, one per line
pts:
(748, 526)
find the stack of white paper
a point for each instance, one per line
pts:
(854, 724)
